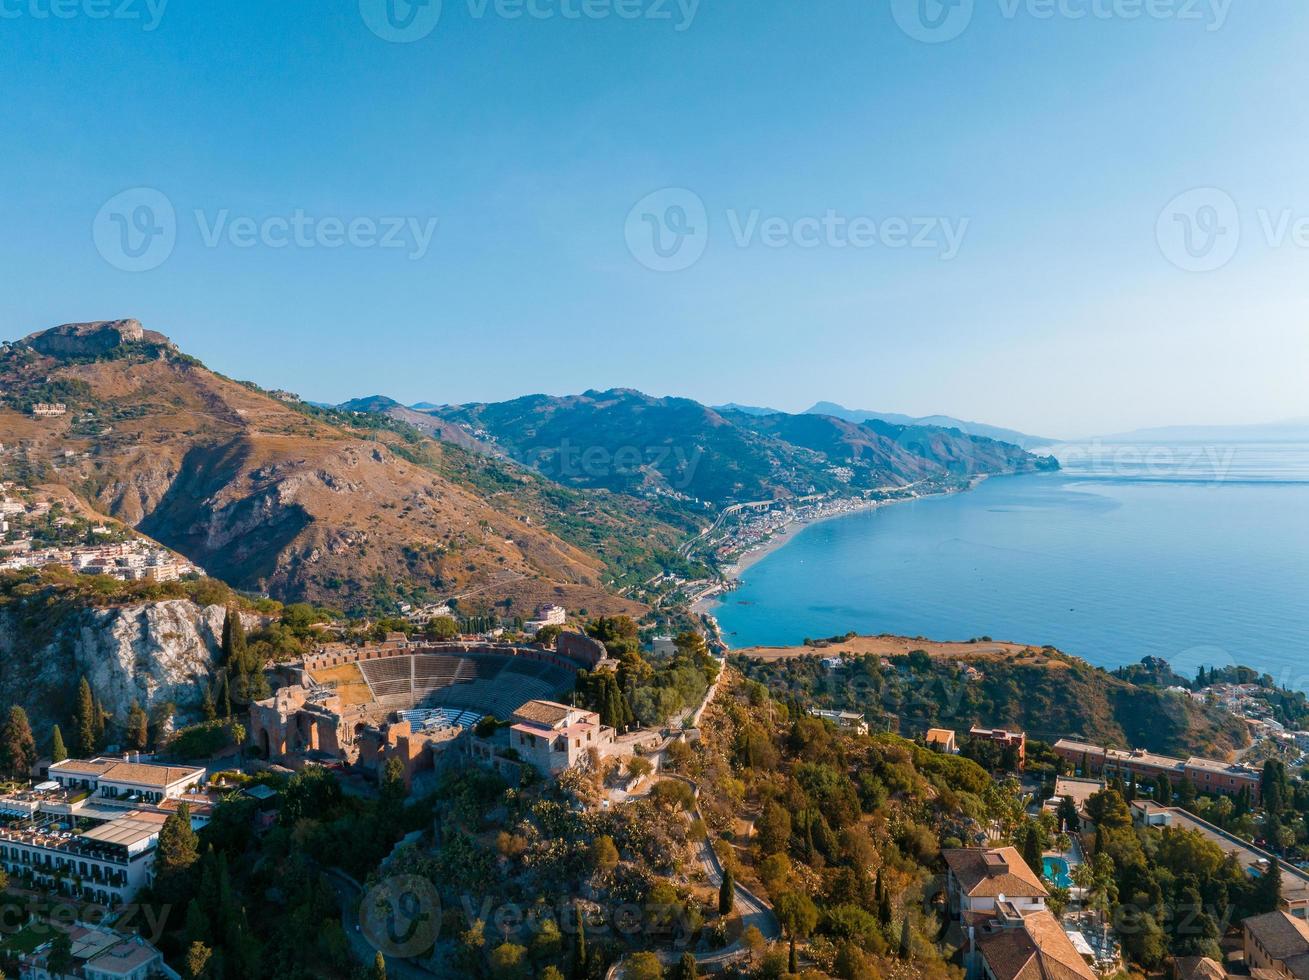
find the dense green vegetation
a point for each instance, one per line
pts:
(259, 903)
(1046, 693)
(1168, 892)
(643, 691)
(847, 831)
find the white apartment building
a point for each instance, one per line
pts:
(90, 831)
(546, 616)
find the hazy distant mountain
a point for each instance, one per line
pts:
(424, 422)
(941, 421)
(1290, 430)
(747, 409)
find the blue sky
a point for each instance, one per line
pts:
(989, 226)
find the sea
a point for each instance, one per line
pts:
(1194, 552)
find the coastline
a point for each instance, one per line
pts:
(783, 537)
(704, 606)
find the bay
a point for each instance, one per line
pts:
(1195, 553)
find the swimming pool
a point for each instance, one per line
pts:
(1056, 870)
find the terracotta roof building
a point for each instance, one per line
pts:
(1031, 947)
(1004, 738)
(1198, 968)
(978, 878)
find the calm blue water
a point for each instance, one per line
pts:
(1196, 554)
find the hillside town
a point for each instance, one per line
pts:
(36, 532)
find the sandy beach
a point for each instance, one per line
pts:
(778, 540)
(784, 537)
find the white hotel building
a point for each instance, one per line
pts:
(90, 831)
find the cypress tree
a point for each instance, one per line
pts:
(884, 905)
(197, 924)
(178, 847)
(84, 719)
(1032, 850)
(727, 893)
(1268, 889)
(17, 746)
(138, 727)
(234, 642)
(58, 751)
(579, 946)
(906, 939)
(98, 717)
(1242, 803)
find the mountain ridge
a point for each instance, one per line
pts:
(1021, 439)
(276, 496)
(625, 441)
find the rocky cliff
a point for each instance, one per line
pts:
(153, 653)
